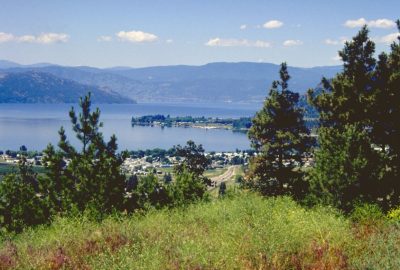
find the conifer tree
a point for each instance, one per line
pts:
(347, 168)
(385, 116)
(347, 98)
(92, 177)
(279, 134)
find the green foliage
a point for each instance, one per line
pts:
(21, 203)
(394, 214)
(194, 160)
(150, 192)
(242, 232)
(346, 99)
(167, 178)
(346, 168)
(359, 110)
(279, 133)
(222, 189)
(367, 213)
(187, 188)
(92, 177)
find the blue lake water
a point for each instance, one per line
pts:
(35, 125)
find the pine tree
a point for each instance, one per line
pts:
(347, 98)
(385, 120)
(348, 169)
(279, 134)
(92, 177)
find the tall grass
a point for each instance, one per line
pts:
(245, 231)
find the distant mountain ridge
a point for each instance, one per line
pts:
(245, 82)
(38, 87)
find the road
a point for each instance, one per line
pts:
(228, 175)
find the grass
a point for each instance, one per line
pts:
(243, 231)
(215, 172)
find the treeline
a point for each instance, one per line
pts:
(358, 155)
(242, 123)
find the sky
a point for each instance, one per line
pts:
(107, 33)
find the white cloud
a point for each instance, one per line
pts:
(219, 42)
(272, 24)
(44, 38)
(243, 26)
(169, 41)
(292, 42)
(379, 23)
(382, 23)
(104, 39)
(136, 36)
(259, 44)
(26, 38)
(340, 41)
(355, 23)
(6, 37)
(329, 41)
(388, 39)
(47, 38)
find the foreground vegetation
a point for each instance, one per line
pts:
(241, 231)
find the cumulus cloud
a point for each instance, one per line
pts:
(379, 23)
(388, 39)
(220, 42)
(44, 38)
(292, 42)
(355, 23)
(104, 39)
(340, 41)
(243, 26)
(5, 37)
(382, 23)
(47, 38)
(329, 41)
(27, 38)
(273, 24)
(136, 36)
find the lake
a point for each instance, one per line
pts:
(35, 125)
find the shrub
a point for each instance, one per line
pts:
(367, 213)
(394, 214)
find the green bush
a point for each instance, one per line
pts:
(187, 188)
(394, 214)
(367, 213)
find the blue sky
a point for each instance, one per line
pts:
(105, 33)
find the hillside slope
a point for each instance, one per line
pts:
(215, 82)
(241, 232)
(39, 87)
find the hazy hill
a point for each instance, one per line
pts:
(214, 82)
(37, 87)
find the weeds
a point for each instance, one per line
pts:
(244, 231)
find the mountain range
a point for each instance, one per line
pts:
(244, 82)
